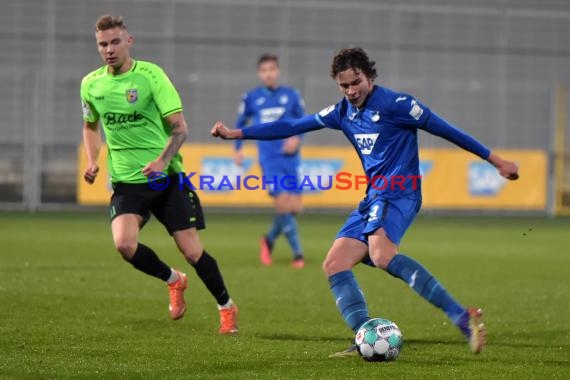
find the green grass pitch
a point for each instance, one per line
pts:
(71, 308)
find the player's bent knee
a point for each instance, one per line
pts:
(193, 256)
(333, 266)
(126, 248)
(382, 260)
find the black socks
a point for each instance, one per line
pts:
(148, 262)
(208, 271)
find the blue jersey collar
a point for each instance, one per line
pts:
(270, 91)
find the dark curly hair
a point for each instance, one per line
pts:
(353, 58)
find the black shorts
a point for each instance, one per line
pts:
(176, 208)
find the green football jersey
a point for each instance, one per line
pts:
(131, 107)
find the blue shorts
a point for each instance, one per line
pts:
(286, 171)
(394, 215)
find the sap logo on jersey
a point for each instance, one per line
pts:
(366, 141)
(268, 115)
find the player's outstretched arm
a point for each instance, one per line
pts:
(220, 130)
(178, 134)
(275, 130)
(92, 144)
(440, 127)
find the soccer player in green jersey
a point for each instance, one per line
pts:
(141, 114)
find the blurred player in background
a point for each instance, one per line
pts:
(277, 158)
(382, 125)
(141, 114)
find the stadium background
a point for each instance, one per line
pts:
(70, 308)
(497, 69)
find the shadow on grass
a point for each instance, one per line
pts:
(493, 343)
(301, 338)
(433, 341)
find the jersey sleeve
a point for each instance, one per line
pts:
(299, 109)
(409, 112)
(166, 97)
(280, 129)
(89, 112)
(244, 114)
(330, 117)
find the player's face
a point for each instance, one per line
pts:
(114, 47)
(354, 85)
(268, 73)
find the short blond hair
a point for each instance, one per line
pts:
(106, 22)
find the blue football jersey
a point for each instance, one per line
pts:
(384, 134)
(264, 105)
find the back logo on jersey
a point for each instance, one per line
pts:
(366, 141)
(132, 95)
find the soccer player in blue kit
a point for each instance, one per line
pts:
(278, 158)
(382, 125)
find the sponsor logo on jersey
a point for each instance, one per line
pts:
(416, 112)
(484, 180)
(326, 111)
(112, 118)
(132, 95)
(283, 99)
(366, 141)
(268, 115)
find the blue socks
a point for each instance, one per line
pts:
(276, 229)
(425, 284)
(291, 231)
(349, 299)
(287, 224)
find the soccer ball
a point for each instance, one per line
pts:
(379, 340)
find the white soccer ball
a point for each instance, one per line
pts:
(379, 340)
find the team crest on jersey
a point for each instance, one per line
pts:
(132, 95)
(366, 141)
(283, 99)
(375, 116)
